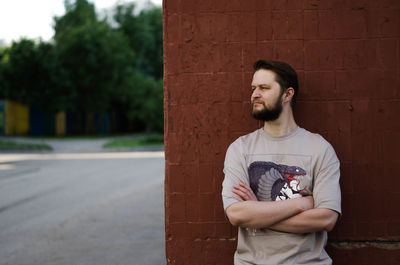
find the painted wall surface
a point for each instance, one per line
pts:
(347, 55)
(16, 118)
(61, 123)
(2, 116)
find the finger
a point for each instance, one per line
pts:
(240, 193)
(243, 195)
(249, 192)
(246, 187)
(238, 198)
(243, 189)
(251, 195)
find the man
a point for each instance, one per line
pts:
(281, 185)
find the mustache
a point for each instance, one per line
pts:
(258, 102)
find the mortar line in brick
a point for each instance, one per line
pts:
(216, 72)
(380, 99)
(317, 71)
(180, 28)
(355, 244)
(200, 222)
(398, 53)
(341, 40)
(351, 132)
(355, 39)
(346, 100)
(226, 12)
(242, 56)
(303, 41)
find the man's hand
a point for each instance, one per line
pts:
(307, 203)
(244, 192)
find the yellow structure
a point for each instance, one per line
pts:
(61, 121)
(16, 118)
(2, 118)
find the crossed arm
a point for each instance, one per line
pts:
(295, 215)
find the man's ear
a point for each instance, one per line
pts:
(288, 95)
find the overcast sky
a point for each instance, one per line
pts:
(34, 18)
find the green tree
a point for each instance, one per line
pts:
(3, 61)
(153, 19)
(90, 66)
(51, 91)
(18, 71)
(144, 32)
(79, 13)
(31, 74)
(97, 58)
(143, 102)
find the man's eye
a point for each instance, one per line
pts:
(253, 88)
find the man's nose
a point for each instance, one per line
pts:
(256, 93)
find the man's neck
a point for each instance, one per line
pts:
(281, 126)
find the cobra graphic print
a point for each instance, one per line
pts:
(276, 182)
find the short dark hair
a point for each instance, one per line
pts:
(285, 75)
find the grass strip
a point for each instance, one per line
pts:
(148, 140)
(11, 145)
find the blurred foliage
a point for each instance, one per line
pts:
(3, 62)
(92, 65)
(144, 33)
(31, 75)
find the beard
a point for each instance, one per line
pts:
(267, 114)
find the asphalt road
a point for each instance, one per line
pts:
(82, 209)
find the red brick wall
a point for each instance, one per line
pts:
(347, 54)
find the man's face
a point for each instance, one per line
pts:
(266, 99)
